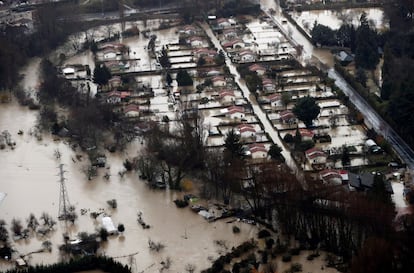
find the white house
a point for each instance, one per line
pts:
(230, 33)
(113, 97)
(188, 30)
(246, 131)
(109, 54)
(234, 44)
(330, 176)
(117, 96)
(259, 69)
(258, 150)
(114, 82)
(195, 41)
(227, 96)
(213, 72)
(69, 71)
(316, 157)
(306, 134)
(218, 81)
(247, 56)
(287, 117)
(268, 85)
(223, 23)
(204, 52)
(275, 100)
(131, 111)
(235, 112)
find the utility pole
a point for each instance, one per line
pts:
(64, 205)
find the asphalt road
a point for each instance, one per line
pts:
(374, 120)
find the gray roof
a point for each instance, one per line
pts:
(365, 181)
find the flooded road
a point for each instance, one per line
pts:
(255, 106)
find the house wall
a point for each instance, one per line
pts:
(259, 154)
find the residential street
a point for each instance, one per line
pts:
(258, 111)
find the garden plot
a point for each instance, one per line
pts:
(345, 135)
(334, 19)
(181, 59)
(268, 40)
(177, 51)
(297, 87)
(302, 79)
(184, 65)
(295, 73)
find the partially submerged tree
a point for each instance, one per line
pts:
(184, 79)
(164, 59)
(306, 109)
(233, 146)
(32, 222)
(275, 152)
(4, 234)
(16, 227)
(101, 74)
(366, 52)
(121, 228)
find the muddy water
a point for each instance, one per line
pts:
(28, 176)
(334, 19)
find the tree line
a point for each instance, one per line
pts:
(398, 85)
(364, 41)
(352, 225)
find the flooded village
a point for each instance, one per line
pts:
(215, 125)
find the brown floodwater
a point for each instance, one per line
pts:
(29, 178)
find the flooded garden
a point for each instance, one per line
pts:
(153, 234)
(335, 18)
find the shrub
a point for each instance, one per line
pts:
(263, 233)
(294, 251)
(296, 267)
(103, 234)
(112, 203)
(264, 257)
(236, 229)
(180, 203)
(288, 138)
(269, 243)
(286, 258)
(128, 165)
(236, 268)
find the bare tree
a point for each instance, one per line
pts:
(16, 227)
(4, 234)
(155, 246)
(166, 264)
(32, 222)
(148, 166)
(190, 268)
(109, 30)
(47, 246)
